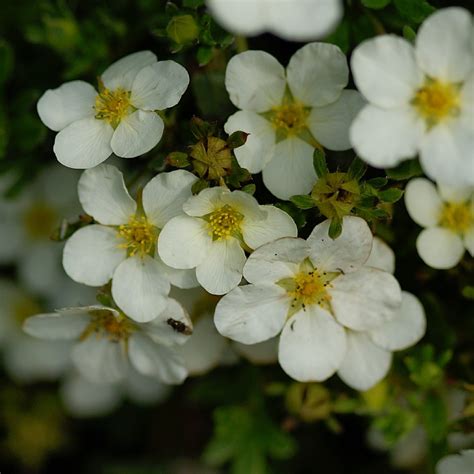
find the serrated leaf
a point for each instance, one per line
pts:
(357, 169)
(303, 201)
(319, 162)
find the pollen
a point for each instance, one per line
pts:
(139, 236)
(437, 101)
(105, 323)
(40, 220)
(224, 223)
(112, 106)
(457, 217)
(289, 118)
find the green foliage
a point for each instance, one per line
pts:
(376, 4)
(405, 170)
(414, 11)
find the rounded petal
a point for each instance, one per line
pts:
(265, 352)
(159, 86)
(205, 202)
(92, 254)
(405, 329)
(184, 242)
(137, 134)
(457, 463)
(443, 44)
(455, 193)
(365, 299)
(321, 64)
(66, 324)
(312, 345)
(252, 313)
(140, 288)
(122, 73)
(276, 225)
(364, 364)
(330, 124)
(385, 137)
(255, 80)
(423, 202)
(104, 196)
(381, 256)
(163, 197)
(440, 248)
(221, 270)
(259, 148)
(84, 143)
(155, 360)
(346, 253)
(385, 71)
(291, 170)
(180, 278)
(245, 204)
(276, 260)
(58, 108)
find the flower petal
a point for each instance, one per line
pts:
(423, 202)
(207, 201)
(405, 329)
(245, 204)
(58, 108)
(65, 324)
(291, 170)
(381, 256)
(159, 86)
(317, 63)
(457, 463)
(312, 345)
(455, 193)
(440, 248)
(178, 277)
(252, 313)
(104, 196)
(221, 270)
(364, 364)
(255, 80)
(365, 299)
(84, 143)
(137, 134)
(92, 254)
(140, 289)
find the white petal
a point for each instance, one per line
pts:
(440, 248)
(455, 193)
(164, 196)
(145, 390)
(346, 253)
(251, 314)
(104, 196)
(92, 254)
(364, 364)
(385, 137)
(245, 204)
(140, 289)
(259, 147)
(276, 225)
(385, 71)
(137, 134)
(155, 360)
(84, 144)
(457, 463)
(159, 86)
(122, 73)
(265, 352)
(330, 124)
(72, 101)
(381, 256)
(443, 44)
(312, 345)
(184, 279)
(365, 299)
(405, 329)
(423, 202)
(276, 260)
(291, 170)
(184, 242)
(65, 324)
(205, 202)
(255, 80)
(221, 270)
(317, 73)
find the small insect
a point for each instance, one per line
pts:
(178, 326)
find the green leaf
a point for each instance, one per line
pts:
(204, 55)
(178, 159)
(249, 189)
(6, 61)
(182, 29)
(390, 195)
(335, 228)
(414, 10)
(303, 201)
(409, 33)
(199, 185)
(297, 214)
(406, 170)
(237, 139)
(341, 37)
(435, 417)
(377, 183)
(193, 3)
(357, 169)
(319, 162)
(375, 4)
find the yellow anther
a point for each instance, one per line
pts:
(105, 323)
(457, 217)
(139, 236)
(289, 118)
(224, 222)
(112, 106)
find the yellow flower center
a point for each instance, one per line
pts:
(457, 217)
(436, 101)
(224, 223)
(289, 118)
(139, 235)
(105, 323)
(24, 308)
(40, 221)
(112, 106)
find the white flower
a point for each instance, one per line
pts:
(462, 463)
(295, 20)
(330, 309)
(421, 98)
(107, 341)
(289, 113)
(121, 118)
(447, 214)
(212, 235)
(122, 245)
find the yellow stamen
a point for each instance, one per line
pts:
(105, 323)
(224, 223)
(139, 235)
(289, 118)
(112, 106)
(457, 217)
(40, 221)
